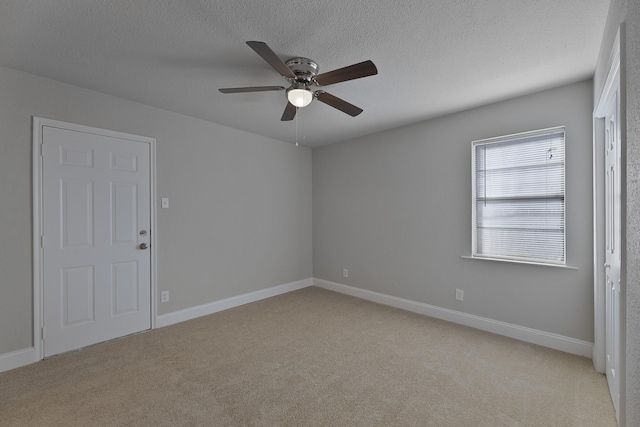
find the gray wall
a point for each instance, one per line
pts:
(395, 209)
(240, 204)
(632, 72)
(628, 12)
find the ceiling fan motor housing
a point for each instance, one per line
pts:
(304, 69)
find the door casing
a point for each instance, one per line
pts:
(38, 283)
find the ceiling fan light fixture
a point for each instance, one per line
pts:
(299, 97)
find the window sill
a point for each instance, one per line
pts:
(515, 261)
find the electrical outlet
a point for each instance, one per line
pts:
(459, 295)
(345, 272)
(164, 296)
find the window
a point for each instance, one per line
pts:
(518, 197)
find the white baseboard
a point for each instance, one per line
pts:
(534, 336)
(16, 359)
(225, 304)
(26, 356)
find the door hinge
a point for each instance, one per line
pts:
(42, 333)
(42, 241)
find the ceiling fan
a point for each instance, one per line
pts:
(301, 73)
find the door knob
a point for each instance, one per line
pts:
(143, 246)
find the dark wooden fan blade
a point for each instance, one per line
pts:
(338, 103)
(289, 112)
(250, 89)
(352, 72)
(272, 59)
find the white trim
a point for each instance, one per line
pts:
(534, 336)
(36, 153)
(37, 125)
(153, 231)
(612, 77)
(31, 355)
(16, 359)
(227, 303)
(558, 342)
(518, 261)
(529, 133)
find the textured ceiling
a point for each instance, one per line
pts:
(433, 56)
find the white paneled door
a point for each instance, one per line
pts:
(95, 237)
(613, 237)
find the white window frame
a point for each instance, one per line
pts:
(497, 257)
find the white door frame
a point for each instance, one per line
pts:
(38, 282)
(612, 83)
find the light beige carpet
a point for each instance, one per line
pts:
(309, 358)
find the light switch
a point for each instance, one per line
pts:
(165, 202)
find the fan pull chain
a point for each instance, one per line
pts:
(297, 127)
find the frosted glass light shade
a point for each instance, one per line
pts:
(300, 97)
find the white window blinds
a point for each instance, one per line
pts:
(518, 197)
